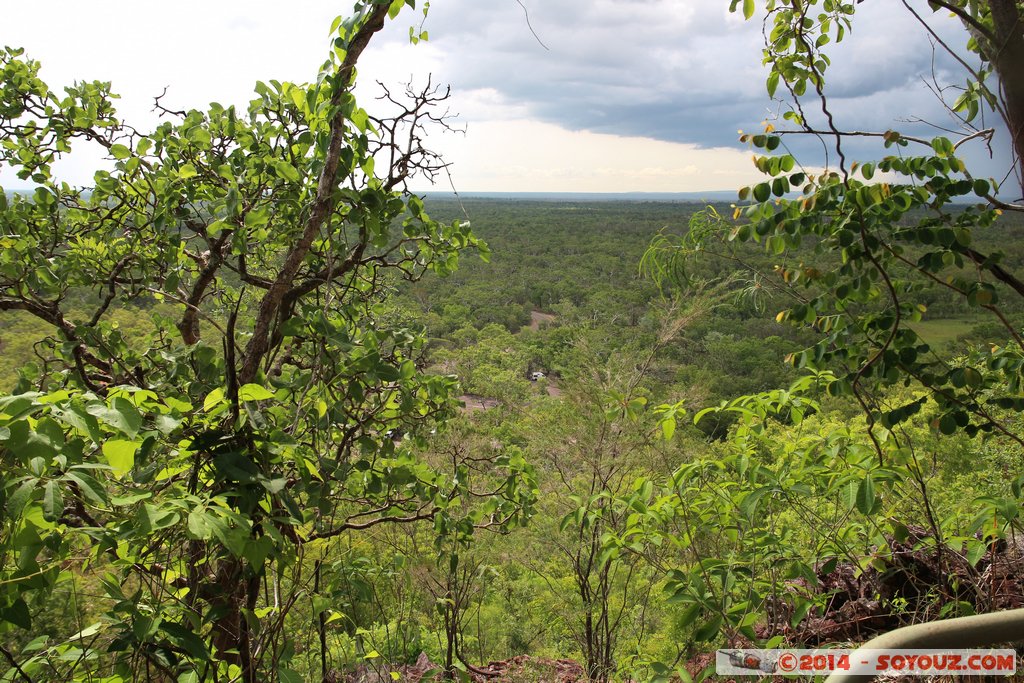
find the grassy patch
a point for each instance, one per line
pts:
(938, 333)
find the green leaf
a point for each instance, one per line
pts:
(53, 501)
(120, 455)
(120, 151)
(199, 525)
(254, 392)
(185, 639)
(21, 497)
(213, 229)
(688, 616)
(748, 8)
(668, 428)
(150, 518)
(213, 399)
(762, 191)
(849, 494)
(709, 630)
(975, 550)
(166, 423)
(36, 644)
(289, 676)
(89, 486)
(87, 632)
(17, 614)
(121, 415)
(947, 424)
(360, 119)
(866, 495)
(187, 171)
(287, 172)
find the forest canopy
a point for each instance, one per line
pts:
(270, 415)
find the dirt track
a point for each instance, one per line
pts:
(536, 318)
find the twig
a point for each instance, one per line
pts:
(17, 667)
(526, 13)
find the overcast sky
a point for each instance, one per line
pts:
(610, 95)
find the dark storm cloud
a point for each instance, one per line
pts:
(676, 70)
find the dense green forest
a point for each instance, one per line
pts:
(562, 293)
(269, 415)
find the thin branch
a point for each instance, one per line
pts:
(358, 526)
(966, 18)
(945, 46)
(526, 13)
(14, 663)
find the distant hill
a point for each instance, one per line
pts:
(711, 196)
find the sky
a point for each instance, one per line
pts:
(595, 96)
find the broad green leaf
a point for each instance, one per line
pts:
(17, 614)
(213, 399)
(88, 486)
(87, 632)
(866, 495)
(185, 639)
(53, 501)
(36, 644)
(287, 171)
(849, 494)
(120, 455)
(710, 630)
(21, 496)
(150, 518)
(121, 415)
(668, 428)
(166, 423)
(254, 392)
(199, 526)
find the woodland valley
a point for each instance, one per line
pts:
(268, 415)
(564, 294)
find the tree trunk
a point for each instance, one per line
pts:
(230, 631)
(1007, 56)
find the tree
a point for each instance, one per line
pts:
(855, 253)
(880, 243)
(197, 472)
(598, 446)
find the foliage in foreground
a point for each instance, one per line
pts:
(203, 475)
(856, 254)
(252, 487)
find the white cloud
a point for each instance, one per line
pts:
(684, 71)
(529, 156)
